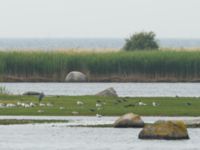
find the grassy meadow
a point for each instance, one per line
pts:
(121, 66)
(109, 106)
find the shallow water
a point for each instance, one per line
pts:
(92, 43)
(60, 137)
(123, 89)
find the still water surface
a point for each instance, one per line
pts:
(123, 89)
(63, 137)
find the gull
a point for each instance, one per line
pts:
(75, 112)
(79, 103)
(32, 104)
(142, 104)
(41, 104)
(98, 115)
(19, 103)
(27, 106)
(61, 108)
(10, 105)
(154, 104)
(40, 111)
(49, 104)
(98, 105)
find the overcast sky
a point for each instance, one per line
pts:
(99, 18)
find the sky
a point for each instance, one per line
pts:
(99, 18)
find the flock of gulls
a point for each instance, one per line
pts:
(99, 105)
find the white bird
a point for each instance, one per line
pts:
(154, 104)
(32, 104)
(22, 104)
(75, 112)
(49, 104)
(98, 105)
(10, 105)
(40, 111)
(42, 105)
(61, 108)
(142, 104)
(27, 106)
(19, 103)
(79, 103)
(98, 115)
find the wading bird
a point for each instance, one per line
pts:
(40, 97)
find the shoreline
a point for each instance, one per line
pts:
(93, 122)
(122, 66)
(137, 78)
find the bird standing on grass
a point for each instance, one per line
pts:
(40, 97)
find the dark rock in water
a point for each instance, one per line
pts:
(32, 93)
(129, 120)
(108, 92)
(169, 130)
(76, 76)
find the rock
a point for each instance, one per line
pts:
(192, 123)
(129, 120)
(169, 130)
(32, 93)
(76, 76)
(108, 92)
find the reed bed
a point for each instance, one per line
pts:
(56, 65)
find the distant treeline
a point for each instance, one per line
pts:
(141, 66)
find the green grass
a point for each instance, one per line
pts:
(54, 66)
(168, 106)
(27, 121)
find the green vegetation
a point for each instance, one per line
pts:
(67, 106)
(15, 121)
(111, 66)
(3, 90)
(141, 41)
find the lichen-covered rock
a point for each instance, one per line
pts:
(76, 76)
(32, 93)
(108, 92)
(169, 130)
(129, 120)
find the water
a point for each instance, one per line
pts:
(62, 137)
(123, 89)
(66, 43)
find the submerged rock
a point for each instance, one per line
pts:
(76, 76)
(32, 93)
(108, 92)
(169, 130)
(129, 120)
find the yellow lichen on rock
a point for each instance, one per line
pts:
(165, 130)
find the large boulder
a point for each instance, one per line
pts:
(32, 93)
(76, 76)
(129, 120)
(108, 92)
(169, 130)
(192, 123)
